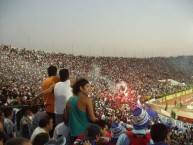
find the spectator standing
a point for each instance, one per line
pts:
(79, 109)
(62, 92)
(48, 97)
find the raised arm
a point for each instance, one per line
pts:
(49, 90)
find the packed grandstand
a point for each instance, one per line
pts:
(118, 86)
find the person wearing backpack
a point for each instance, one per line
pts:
(138, 136)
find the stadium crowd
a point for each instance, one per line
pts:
(114, 81)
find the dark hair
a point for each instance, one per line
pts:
(158, 132)
(34, 109)
(41, 139)
(45, 120)
(52, 70)
(26, 109)
(79, 83)
(17, 141)
(64, 74)
(91, 132)
(7, 112)
(101, 123)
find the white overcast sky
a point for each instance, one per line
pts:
(131, 28)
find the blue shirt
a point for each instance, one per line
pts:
(124, 139)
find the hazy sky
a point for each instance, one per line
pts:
(139, 28)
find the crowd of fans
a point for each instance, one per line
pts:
(23, 70)
(115, 83)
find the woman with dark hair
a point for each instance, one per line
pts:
(79, 109)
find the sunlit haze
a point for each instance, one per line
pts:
(127, 28)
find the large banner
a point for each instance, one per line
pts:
(163, 99)
(173, 122)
